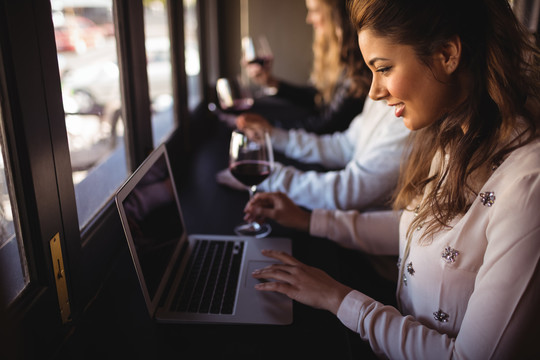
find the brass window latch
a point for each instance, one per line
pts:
(60, 278)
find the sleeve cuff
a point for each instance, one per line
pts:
(351, 308)
(318, 223)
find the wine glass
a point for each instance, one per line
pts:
(256, 52)
(233, 95)
(257, 57)
(251, 160)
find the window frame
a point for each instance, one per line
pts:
(36, 146)
(36, 133)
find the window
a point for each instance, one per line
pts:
(159, 69)
(13, 264)
(89, 74)
(192, 54)
(69, 145)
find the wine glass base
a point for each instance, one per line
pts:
(253, 229)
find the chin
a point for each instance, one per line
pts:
(414, 124)
(408, 123)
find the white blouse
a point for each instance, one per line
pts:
(363, 162)
(473, 292)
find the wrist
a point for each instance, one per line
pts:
(340, 294)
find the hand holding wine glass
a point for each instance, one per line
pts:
(251, 160)
(257, 58)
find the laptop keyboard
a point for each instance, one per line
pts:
(210, 278)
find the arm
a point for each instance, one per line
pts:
(372, 149)
(355, 187)
(376, 126)
(331, 151)
(374, 232)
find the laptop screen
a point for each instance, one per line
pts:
(154, 222)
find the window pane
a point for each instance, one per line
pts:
(158, 56)
(192, 56)
(89, 74)
(13, 269)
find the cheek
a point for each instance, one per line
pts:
(398, 87)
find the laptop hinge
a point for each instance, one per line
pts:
(60, 278)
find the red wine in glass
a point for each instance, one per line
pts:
(251, 160)
(250, 172)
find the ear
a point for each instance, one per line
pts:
(450, 54)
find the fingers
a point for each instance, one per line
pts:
(278, 207)
(245, 120)
(256, 71)
(259, 215)
(303, 283)
(275, 286)
(260, 74)
(281, 275)
(266, 200)
(260, 208)
(253, 121)
(279, 272)
(260, 201)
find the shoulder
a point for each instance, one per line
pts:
(522, 163)
(513, 191)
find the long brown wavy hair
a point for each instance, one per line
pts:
(500, 113)
(335, 51)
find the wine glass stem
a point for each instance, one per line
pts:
(252, 190)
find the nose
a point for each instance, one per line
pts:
(377, 91)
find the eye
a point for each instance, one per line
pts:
(384, 70)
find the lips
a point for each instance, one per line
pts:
(398, 109)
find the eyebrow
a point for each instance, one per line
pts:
(372, 61)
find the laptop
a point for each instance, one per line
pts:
(192, 278)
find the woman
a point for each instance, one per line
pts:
(339, 77)
(465, 77)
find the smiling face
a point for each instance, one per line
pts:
(418, 93)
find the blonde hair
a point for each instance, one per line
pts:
(336, 54)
